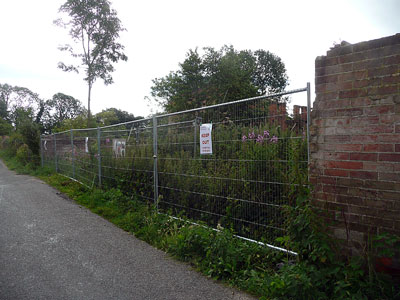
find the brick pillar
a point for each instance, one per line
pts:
(355, 139)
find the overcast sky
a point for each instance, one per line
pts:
(160, 32)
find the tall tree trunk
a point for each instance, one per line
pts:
(89, 95)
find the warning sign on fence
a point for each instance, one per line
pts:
(205, 139)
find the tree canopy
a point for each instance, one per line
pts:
(95, 26)
(62, 107)
(111, 116)
(20, 102)
(219, 76)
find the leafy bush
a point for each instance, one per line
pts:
(24, 154)
(24, 144)
(31, 136)
(5, 127)
(4, 142)
(12, 144)
(320, 272)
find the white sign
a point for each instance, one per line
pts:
(119, 146)
(205, 139)
(86, 145)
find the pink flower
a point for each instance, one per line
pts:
(107, 140)
(266, 133)
(274, 139)
(244, 138)
(260, 139)
(252, 135)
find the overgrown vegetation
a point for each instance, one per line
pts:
(318, 272)
(243, 185)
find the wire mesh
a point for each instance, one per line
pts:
(258, 149)
(246, 181)
(127, 158)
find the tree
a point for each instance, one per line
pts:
(5, 93)
(62, 107)
(270, 74)
(106, 117)
(111, 116)
(22, 115)
(14, 100)
(219, 76)
(29, 130)
(5, 127)
(96, 27)
(77, 123)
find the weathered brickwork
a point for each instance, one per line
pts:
(355, 138)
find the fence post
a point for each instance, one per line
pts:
(137, 135)
(308, 120)
(195, 137)
(99, 154)
(73, 153)
(55, 152)
(155, 153)
(41, 152)
(196, 123)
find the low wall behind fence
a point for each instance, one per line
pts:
(230, 165)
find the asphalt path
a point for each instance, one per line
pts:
(52, 248)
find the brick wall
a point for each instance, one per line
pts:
(355, 138)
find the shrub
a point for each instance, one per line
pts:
(31, 136)
(24, 154)
(320, 272)
(5, 127)
(15, 141)
(4, 142)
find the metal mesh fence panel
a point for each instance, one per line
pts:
(47, 150)
(127, 158)
(257, 149)
(85, 157)
(232, 165)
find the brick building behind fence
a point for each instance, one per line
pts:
(355, 139)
